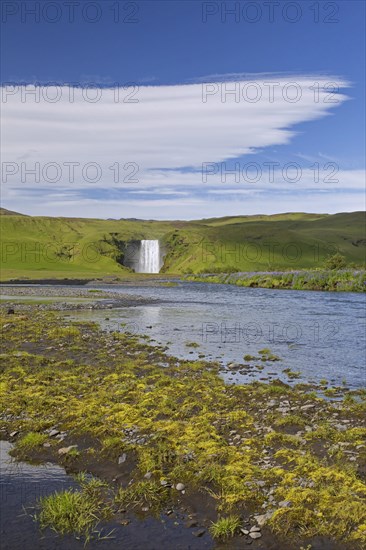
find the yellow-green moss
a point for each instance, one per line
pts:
(185, 420)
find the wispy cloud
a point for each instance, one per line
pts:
(157, 138)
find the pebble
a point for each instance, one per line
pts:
(122, 459)
(53, 433)
(188, 457)
(255, 535)
(148, 475)
(180, 486)
(263, 518)
(191, 523)
(254, 529)
(285, 504)
(199, 532)
(340, 427)
(13, 434)
(307, 407)
(66, 450)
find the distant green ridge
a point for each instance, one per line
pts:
(45, 247)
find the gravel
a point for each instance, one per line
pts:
(75, 298)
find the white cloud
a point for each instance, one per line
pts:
(169, 127)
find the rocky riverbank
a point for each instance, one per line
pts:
(62, 298)
(264, 464)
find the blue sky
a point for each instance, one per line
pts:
(173, 52)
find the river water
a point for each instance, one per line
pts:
(322, 335)
(21, 487)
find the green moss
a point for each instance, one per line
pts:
(182, 423)
(290, 419)
(29, 442)
(113, 446)
(292, 374)
(64, 332)
(248, 357)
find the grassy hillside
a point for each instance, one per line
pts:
(42, 247)
(259, 243)
(5, 212)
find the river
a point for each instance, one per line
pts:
(322, 335)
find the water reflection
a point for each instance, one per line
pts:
(320, 334)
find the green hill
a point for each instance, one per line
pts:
(5, 212)
(45, 247)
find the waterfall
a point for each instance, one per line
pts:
(149, 261)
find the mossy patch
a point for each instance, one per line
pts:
(182, 424)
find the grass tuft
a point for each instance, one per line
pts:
(142, 493)
(225, 528)
(76, 512)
